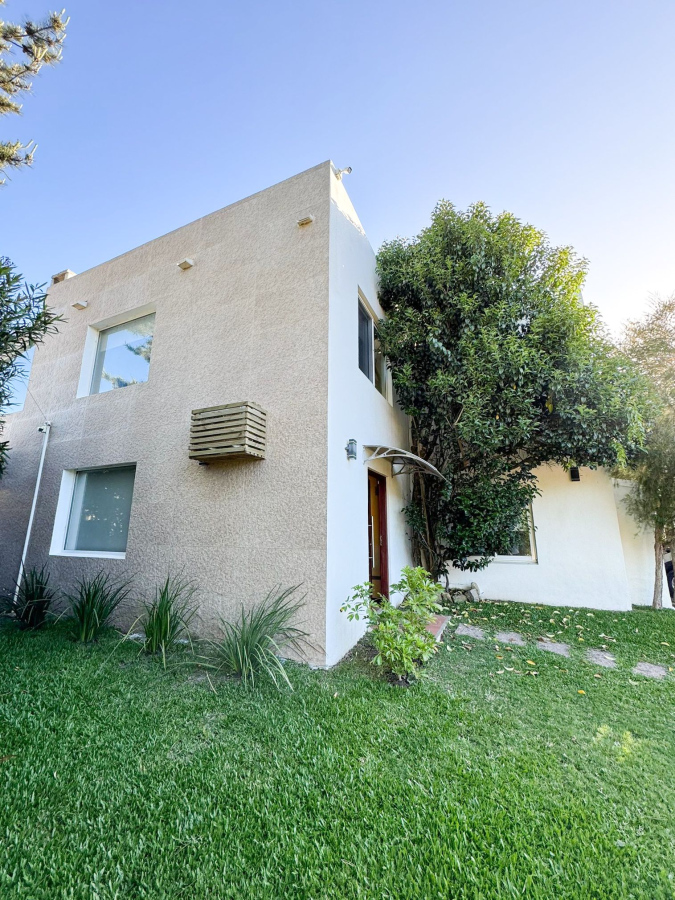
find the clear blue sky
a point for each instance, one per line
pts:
(162, 112)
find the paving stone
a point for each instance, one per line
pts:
(649, 670)
(510, 637)
(553, 647)
(470, 631)
(437, 626)
(601, 658)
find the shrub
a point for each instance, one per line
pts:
(94, 603)
(253, 646)
(399, 633)
(31, 604)
(167, 619)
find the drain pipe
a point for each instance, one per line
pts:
(45, 429)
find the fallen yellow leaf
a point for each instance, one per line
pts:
(581, 692)
(530, 663)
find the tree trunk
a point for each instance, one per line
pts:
(657, 602)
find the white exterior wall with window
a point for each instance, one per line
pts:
(579, 550)
(356, 410)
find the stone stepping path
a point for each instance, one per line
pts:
(553, 647)
(649, 670)
(601, 658)
(472, 631)
(594, 655)
(510, 637)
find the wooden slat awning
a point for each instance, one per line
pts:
(405, 461)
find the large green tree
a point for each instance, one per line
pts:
(24, 49)
(24, 322)
(502, 368)
(650, 343)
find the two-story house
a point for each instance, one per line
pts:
(217, 406)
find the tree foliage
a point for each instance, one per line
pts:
(24, 321)
(502, 368)
(650, 343)
(24, 49)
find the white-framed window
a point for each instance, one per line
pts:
(18, 385)
(523, 547)
(372, 361)
(93, 512)
(117, 352)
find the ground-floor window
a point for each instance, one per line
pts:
(523, 546)
(94, 511)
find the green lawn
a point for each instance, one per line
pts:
(118, 780)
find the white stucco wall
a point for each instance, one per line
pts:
(638, 549)
(355, 410)
(580, 553)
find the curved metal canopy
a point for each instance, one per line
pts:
(406, 461)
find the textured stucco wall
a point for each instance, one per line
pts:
(248, 322)
(580, 557)
(356, 410)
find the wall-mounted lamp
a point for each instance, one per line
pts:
(575, 474)
(185, 264)
(306, 220)
(351, 449)
(80, 304)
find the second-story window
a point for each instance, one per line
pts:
(371, 359)
(365, 342)
(123, 355)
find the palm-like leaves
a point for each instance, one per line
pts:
(31, 604)
(167, 619)
(94, 603)
(253, 645)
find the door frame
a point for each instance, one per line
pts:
(384, 531)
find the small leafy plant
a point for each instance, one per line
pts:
(167, 619)
(93, 604)
(399, 633)
(253, 646)
(31, 604)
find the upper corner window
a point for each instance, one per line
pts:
(18, 383)
(372, 361)
(365, 342)
(123, 355)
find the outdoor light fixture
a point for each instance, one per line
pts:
(307, 220)
(574, 474)
(186, 264)
(351, 449)
(80, 304)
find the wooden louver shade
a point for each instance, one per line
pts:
(233, 431)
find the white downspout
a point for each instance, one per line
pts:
(45, 429)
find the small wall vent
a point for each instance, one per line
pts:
(232, 431)
(575, 474)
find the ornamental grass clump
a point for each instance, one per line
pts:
(399, 633)
(93, 604)
(29, 606)
(254, 645)
(166, 620)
